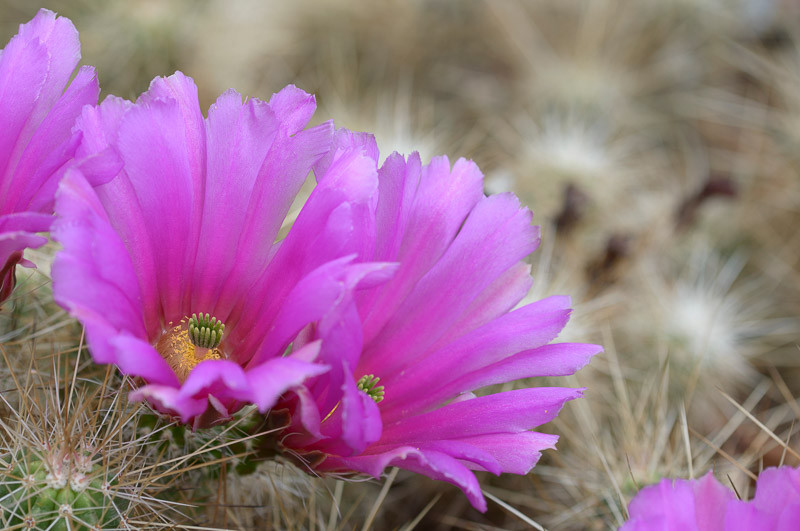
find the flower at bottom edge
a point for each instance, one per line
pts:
(706, 505)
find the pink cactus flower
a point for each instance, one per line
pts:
(407, 359)
(175, 266)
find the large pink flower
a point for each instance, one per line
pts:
(706, 505)
(184, 239)
(442, 327)
(36, 143)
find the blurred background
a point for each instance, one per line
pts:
(657, 143)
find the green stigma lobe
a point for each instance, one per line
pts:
(368, 383)
(205, 331)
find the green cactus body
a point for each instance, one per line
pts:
(177, 439)
(59, 497)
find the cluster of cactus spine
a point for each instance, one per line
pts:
(61, 491)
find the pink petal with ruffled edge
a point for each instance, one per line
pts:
(431, 463)
(652, 507)
(699, 504)
(775, 506)
(441, 202)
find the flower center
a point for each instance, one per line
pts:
(368, 383)
(193, 340)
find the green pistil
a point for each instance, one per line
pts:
(205, 331)
(368, 383)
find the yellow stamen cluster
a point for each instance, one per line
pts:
(182, 354)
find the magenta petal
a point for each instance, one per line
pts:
(44, 154)
(25, 222)
(711, 500)
(94, 279)
(398, 182)
(100, 125)
(345, 141)
(152, 142)
(777, 488)
(17, 233)
(34, 69)
(511, 411)
(496, 235)
(239, 137)
(60, 38)
(441, 202)
(293, 107)
(744, 516)
(180, 90)
(478, 458)
(559, 359)
(324, 231)
(271, 379)
(23, 72)
(100, 128)
(11, 246)
(499, 298)
(340, 328)
(523, 329)
(169, 400)
(307, 353)
(360, 418)
(431, 463)
(442, 467)
(280, 176)
(683, 504)
(310, 419)
(222, 378)
(706, 505)
(788, 519)
(310, 299)
(36, 139)
(17, 241)
(515, 453)
(137, 358)
(663, 506)
(94, 274)
(324, 296)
